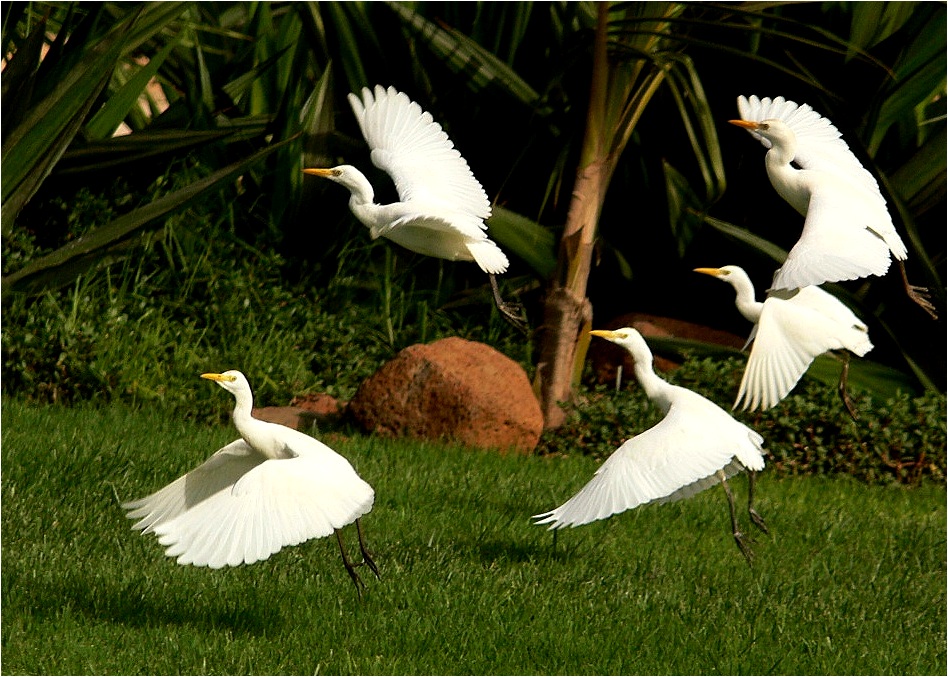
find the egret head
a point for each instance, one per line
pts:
(775, 131)
(628, 338)
(348, 176)
(722, 273)
(232, 381)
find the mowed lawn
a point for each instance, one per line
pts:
(852, 579)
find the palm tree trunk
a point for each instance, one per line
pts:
(567, 313)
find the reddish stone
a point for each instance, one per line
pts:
(322, 406)
(292, 417)
(454, 390)
(605, 357)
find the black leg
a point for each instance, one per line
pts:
(350, 567)
(738, 536)
(920, 295)
(755, 517)
(843, 392)
(512, 312)
(366, 555)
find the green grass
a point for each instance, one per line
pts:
(852, 579)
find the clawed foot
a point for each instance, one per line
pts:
(512, 312)
(744, 547)
(758, 520)
(922, 297)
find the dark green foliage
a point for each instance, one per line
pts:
(899, 440)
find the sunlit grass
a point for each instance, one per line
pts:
(851, 580)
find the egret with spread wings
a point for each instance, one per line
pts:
(848, 232)
(695, 446)
(441, 208)
(273, 487)
(791, 329)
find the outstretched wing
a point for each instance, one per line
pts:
(791, 334)
(819, 144)
(835, 245)
(216, 474)
(675, 459)
(413, 149)
(238, 507)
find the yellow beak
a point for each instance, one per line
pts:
(325, 173)
(605, 333)
(219, 377)
(746, 124)
(709, 271)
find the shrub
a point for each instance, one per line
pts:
(901, 440)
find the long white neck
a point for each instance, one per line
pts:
(656, 389)
(746, 303)
(243, 416)
(787, 180)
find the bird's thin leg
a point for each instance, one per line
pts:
(738, 536)
(512, 312)
(366, 555)
(843, 392)
(754, 515)
(350, 567)
(920, 295)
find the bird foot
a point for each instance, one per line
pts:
(848, 403)
(739, 538)
(356, 580)
(758, 520)
(369, 562)
(922, 297)
(514, 314)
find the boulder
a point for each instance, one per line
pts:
(292, 417)
(455, 390)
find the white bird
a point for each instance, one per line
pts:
(441, 208)
(791, 329)
(848, 232)
(272, 488)
(695, 446)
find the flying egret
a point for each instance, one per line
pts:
(272, 488)
(791, 329)
(441, 208)
(695, 446)
(848, 232)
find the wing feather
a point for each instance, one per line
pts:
(791, 334)
(415, 151)
(675, 459)
(276, 504)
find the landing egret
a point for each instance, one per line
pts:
(695, 446)
(848, 232)
(442, 206)
(791, 329)
(272, 488)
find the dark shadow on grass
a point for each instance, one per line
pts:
(137, 605)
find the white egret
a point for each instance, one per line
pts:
(791, 329)
(441, 208)
(848, 232)
(272, 488)
(695, 446)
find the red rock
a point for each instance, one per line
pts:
(455, 390)
(605, 357)
(322, 406)
(292, 417)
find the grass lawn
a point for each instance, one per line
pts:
(852, 578)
